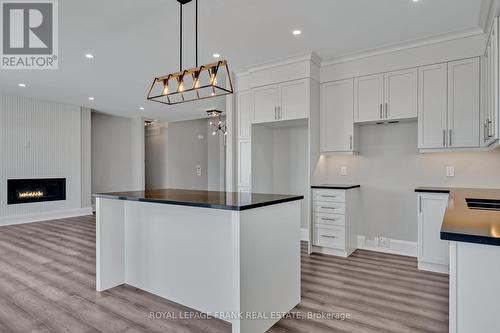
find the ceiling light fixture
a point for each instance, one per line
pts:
(22, 85)
(89, 56)
(141, 108)
(216, 55)
(296, 32)
(197, 83)
(216, 122)
(91, 98)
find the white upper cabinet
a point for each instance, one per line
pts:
(432, 106)
(265, 103)
(294, 100)
(337, 109)
(284, 101)
(490, 113)
(245, 115)
(368, 98)
(448, 105)
(401, 94)
(463, 103)
(386, 97)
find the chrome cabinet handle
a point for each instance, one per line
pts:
(444, 138)
(350, 142)
(386, 110)
(279, 112)
(450, 137)
(275, 114)
(328, 219)
(328, 196)
(328, 207)
(488, 125)
(485, 131)
(420, 204)
(328, 236)
(381, 111)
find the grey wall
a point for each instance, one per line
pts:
(174, 150)
(86, 165)
(111, 153)
(389, 168)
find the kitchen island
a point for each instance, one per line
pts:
(234, 256)
(471, 225)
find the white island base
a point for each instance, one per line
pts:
(226, 263)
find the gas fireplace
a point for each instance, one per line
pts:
(35, 190)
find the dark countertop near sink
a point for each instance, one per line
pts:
(208, 199)
(336, 186)
(463, 224)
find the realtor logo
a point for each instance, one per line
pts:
(29, 34)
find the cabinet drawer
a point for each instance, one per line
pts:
(329, 195)
(329, 220)
(329, 207)
(331, 237)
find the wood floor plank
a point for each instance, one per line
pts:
(47, 284)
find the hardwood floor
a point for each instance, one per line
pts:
(47, 284)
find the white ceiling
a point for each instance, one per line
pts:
(134, 41)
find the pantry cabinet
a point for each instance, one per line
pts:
(448, 105)
(338, 132)
(244, 147)
(385, 97)
(284, 101)
(490, 87)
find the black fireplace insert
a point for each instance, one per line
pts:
(21, 191)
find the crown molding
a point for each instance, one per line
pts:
(404, 46)
(311, 56)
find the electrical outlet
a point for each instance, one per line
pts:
(198, 170)
(343, 171)
(384, 242)
(450, 171)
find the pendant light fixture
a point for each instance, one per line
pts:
(216, 122)
(197, 83)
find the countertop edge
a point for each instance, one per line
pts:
(468, 238)
(432, 190)
(201, 205)
(336, 187)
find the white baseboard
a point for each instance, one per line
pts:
(304, 235)
(10, 220)
(397, 246)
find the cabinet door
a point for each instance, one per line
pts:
(244, 164)
(337, 107)
(432, 249)
(485, 93)
(245, 115)
(368, 98)
(401, 94)
(463, 103)
(265, 104)
(432, 106)
(294, 100)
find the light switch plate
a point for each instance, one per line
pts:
(198, 170)
(450, 171)
(343, 171)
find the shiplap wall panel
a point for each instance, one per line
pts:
(39, 139)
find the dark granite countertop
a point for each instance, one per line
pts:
(207, 199)
(336, 186)
(464, 224)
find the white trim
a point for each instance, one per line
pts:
(304, 235)
(62, 214)
(313, 57)
(453, 315)
(397, 246)
(403, 46)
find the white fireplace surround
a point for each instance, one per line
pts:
(40, 139)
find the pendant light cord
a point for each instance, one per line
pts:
(196, 17)
(180, 40)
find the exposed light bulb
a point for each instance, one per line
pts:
(211, 123)
(213, 94)
(214, 133)
(165, 88)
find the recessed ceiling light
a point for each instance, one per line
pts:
(91, 98)
(22, 85)
(89, 56)
(216, 55)
(415, 0)
(296, 32)
(141, 108)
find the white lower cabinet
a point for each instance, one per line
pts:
(333, 226)
(433, 254)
